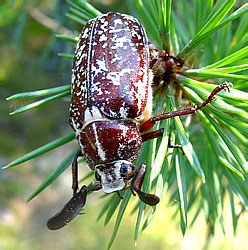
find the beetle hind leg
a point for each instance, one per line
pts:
(151, 122)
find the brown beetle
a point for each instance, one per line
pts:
(111, 107)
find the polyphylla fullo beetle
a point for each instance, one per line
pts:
(111, 105)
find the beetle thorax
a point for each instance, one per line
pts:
(106, 141)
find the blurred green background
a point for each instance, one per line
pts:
(29, 61)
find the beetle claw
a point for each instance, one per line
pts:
(149, 199)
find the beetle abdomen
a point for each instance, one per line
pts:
(111, 64)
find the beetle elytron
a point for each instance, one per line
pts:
(111, 105)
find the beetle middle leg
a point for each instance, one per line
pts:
(151, 122)
(156, 134)
(152, 135)
(75, 171)
(170, 145)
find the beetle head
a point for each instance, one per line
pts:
(113, 175)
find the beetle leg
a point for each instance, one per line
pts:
(75, 171)
(175, 145)
(156, 134)
(153, 134)
(132, 191)
(71, 209)
(159, 133)
(136, 182)
(151, 122)
(120, 196)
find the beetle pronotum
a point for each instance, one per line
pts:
(111, 105)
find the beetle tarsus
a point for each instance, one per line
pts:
(227, 86)
(95, 188)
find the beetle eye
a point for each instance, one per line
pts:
(126, 169)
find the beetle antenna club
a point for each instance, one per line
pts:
(111, 108)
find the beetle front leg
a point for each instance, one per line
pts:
(151, 122)
(75, 171)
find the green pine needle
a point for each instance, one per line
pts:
(40, 102)
(42, 150)
(54, 175)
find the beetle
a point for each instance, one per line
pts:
(111, 105)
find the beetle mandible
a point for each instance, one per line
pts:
(111, 106)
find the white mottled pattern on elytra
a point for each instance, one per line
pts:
(79, 86)
(119, 43)
(104, 23)
(99, 69)
(88, 71)
(75, 127)
(102, 38)
(115, 76)
(118, 21)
